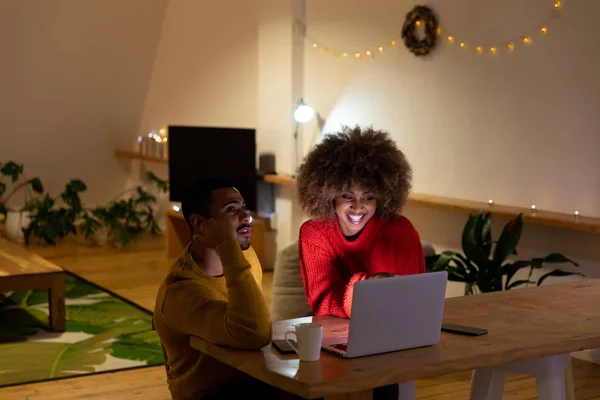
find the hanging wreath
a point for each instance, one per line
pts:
(420, 15)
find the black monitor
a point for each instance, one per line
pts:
(197, 152)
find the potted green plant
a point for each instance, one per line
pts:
(126, 216)
(51, 219)
(16, 217)
(483, 270)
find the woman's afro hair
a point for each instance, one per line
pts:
(367, 158)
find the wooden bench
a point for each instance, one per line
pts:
(21, 270)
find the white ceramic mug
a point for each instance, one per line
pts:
(309, 337)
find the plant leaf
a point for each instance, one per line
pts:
(556, 272)
(472, 243)
(36, 185)
(509, 270)
(519, 283)
(13, 170)
(507, 243)
(162, 185)
(486, 234)
(558, 258)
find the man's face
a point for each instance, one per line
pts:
(228, 203)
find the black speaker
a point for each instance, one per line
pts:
(266, 164)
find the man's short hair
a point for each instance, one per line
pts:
(197, 200)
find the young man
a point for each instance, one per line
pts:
(213, 291)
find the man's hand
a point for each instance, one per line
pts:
(380, 275)
(217, 231)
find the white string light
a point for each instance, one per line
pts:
(534, 210)
(492, 49)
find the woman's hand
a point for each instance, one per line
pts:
(380, 275)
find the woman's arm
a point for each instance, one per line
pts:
(409, 249)
(326, 290)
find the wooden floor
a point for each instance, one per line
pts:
(136, 274)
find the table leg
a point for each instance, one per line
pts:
(56, 301)
(362, 395)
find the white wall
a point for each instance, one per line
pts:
(73, 80)
(520, 128)
(205, 72)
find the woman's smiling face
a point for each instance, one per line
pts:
(354, 208)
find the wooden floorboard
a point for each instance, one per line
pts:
(136, 274)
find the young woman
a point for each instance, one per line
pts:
(354, 185)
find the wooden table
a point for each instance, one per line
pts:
(21, 269)
(523, 324)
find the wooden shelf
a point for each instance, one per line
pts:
(136, 156)
(541, 217)
(283, 180)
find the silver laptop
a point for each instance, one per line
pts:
(391, 314)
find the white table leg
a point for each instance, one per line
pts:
(569, 383)
(487, 384)
(407, 391)
(550, 373)
(550, 379)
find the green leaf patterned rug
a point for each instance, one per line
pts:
(105, 333)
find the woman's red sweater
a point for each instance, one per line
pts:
(331, 265)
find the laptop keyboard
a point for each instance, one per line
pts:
(340, 346)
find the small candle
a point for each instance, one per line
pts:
(153, 146)
(576, 214)
(148, 147)
(166, 148)
(533, 209)
(491, 202)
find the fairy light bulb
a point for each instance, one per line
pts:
(451, 39)
(315, 45)
(335, 53)
(479, 49)
(357, 55)
(558, 4)
(380, 49)
(393, 42)
(368, 52)
(418, 23)
(526, 40)
(345, 54)
(325, 50)
(463, 44)
(438, 30)
(493, 50)
(510, 46)
(544, 30)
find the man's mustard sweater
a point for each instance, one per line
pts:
(229, 311)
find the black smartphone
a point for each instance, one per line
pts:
(463, 330)
(283, 346)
